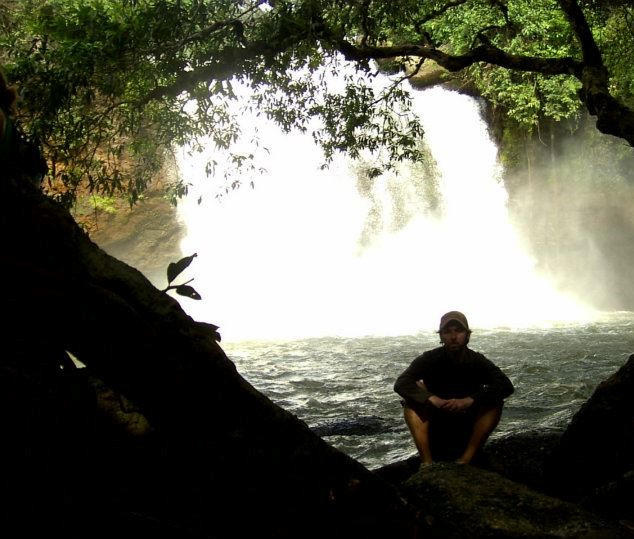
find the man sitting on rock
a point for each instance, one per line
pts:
(452, 396)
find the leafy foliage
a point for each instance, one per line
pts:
(174, 269)
(109, 86)
(105, 204)
(522, 27)
(616, 33)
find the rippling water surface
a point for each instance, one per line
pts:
(348, 381)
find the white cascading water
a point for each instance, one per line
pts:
(285, 260)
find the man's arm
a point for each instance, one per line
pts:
(496, 385)
(407, 384)
(432, 399)
(450, 405)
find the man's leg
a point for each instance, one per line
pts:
(419, 428)
(485, 422)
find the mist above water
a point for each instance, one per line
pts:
(311, 252)
(573, 202)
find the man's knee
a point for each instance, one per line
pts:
(416, 413)
(488, 416)
(492, 410)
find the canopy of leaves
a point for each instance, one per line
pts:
(109, 85)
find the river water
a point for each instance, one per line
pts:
(344, 385)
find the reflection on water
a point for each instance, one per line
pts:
(323, 380)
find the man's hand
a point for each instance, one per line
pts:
(449, 405)
(437, 402)
(456, 405)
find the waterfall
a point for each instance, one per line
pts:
(311, 252)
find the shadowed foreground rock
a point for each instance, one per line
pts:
(524, 457)
(599, 440)
(211, 457)
(591, 462)
(467, 502)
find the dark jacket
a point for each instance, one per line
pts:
(472, 375)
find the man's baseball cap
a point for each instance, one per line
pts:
(453, 316)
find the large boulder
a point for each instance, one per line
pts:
(591, 462)
(460, 502)
(595, 456)
(523, 457)
(216, 458)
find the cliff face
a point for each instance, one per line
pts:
(146, 236)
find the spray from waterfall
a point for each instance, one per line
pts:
(311, 252)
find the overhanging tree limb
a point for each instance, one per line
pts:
(154, 66)
(613, 118)
(580, 27)
(231, 61)
(482, 53)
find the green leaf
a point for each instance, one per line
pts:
(174, 269)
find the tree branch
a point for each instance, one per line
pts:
(234, 23)
(364, 21)
(484, 53)
(229, 62)
(581, 28)
(612, 117)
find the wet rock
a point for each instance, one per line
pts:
(398, 472)
(523, 457)
(356, 426)
(614, 500)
